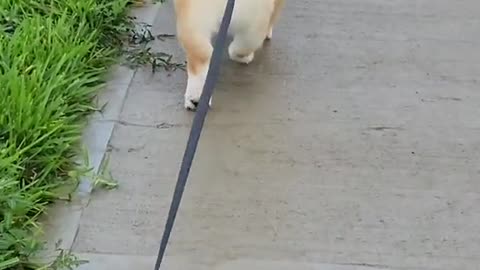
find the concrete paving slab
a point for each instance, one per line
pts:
(122, 221)
(122, 262)
(117, 262)
(352, 142)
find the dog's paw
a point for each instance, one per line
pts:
(242, 59)
(194, 89)
(239, 56)
(193, 92)
(191, 103)
(270, 34)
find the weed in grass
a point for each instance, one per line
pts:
(65, 260)
(102, 179)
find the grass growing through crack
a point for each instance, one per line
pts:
(137, 53)
(53, 55)
(156, 60)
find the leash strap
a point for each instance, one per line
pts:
(196, 129)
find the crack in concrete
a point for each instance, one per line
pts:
(384, 128)
(369, 265)
(162, 125)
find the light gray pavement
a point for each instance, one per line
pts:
(351, 143)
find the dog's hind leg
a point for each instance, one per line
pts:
(278, 6)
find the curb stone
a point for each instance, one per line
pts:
(61, 222)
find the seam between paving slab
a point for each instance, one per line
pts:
(63, 220)
(125, 261)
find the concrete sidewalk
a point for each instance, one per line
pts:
(351, 143)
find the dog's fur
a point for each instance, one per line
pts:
(199, 20)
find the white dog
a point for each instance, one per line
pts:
(199, 20)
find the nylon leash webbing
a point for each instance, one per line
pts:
(196, 130)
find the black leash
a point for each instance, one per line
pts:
(196, 129)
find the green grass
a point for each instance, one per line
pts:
(53, 55)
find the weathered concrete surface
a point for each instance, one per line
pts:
(352, 142)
